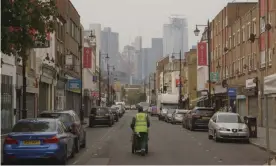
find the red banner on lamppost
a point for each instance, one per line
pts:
(87, 57)
(202, 54)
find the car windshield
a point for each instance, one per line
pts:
(170, 111)
(229, 118)
(144, 104)
(65, 118)
(169, 106)
(102, 111)
(35, 126)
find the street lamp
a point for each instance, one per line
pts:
(196, 32)
(108, 80)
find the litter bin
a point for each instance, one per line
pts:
(252, 125)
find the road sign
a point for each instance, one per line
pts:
(214, 76)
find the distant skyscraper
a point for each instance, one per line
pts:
(138, 58)
(157, 50)
(145, 62)
(175, 36)
(110, 46)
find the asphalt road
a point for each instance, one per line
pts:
(168, 145)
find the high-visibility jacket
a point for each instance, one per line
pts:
(141, 124)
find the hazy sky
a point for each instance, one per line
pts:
(146, 17)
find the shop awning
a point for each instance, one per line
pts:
(199, 99)
(270, 84)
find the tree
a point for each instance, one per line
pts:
(25, 22)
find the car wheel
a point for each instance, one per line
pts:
(209, 135)
(63, 161)
(77, 145)
(72, 155)
(215, 137)
(83, 145)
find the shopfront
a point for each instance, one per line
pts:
(270, 100)
(252, 97)
(232, 94)
(241, 105)
(73, 94)
(46, 88)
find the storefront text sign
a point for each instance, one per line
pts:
(74, 85)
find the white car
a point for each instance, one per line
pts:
(227, 126)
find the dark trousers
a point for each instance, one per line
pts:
(142, 140)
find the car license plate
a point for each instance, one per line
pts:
(205, 117)
(31, 142)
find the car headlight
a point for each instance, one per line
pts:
(222, 129)
(244, 129)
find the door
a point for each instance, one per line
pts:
(43, 97)
(253, 106)
(30, 101)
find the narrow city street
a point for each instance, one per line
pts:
(168, 145)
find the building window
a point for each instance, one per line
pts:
(254, 27)
(242, 64)
(227, 72)
(243, 34)
(262, 25)
(233, 68)
(270, 57)
(249, 29)
(254, 61)
(234, 40)
(230, 42)
(239, 37)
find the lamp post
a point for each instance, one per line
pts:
(100, 75)
(197, 31)
(108, 80)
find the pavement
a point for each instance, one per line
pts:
(168, 145)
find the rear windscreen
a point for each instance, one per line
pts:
(205, 111)
(35, 126)
(65, 118)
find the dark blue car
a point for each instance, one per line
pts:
(38, 139)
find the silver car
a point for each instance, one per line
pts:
(178, 115)
(227, 126)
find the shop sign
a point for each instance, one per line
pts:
(232, 92)
(250, 83)
(74, 85)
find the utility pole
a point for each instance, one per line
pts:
(100, 79)
(24, 104)
(81, 88)
(180, 82)
(163, 79)
(108, 88)
(149, 89)
(209, 63)
(267, 28)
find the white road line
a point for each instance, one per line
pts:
(75, 162)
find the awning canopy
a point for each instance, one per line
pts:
(199, 99)
(270, 84)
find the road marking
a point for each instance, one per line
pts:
(207, 150)
(99, 148)
(215, 157)
(75, 162)
(199, 144)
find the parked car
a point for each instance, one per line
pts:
(154, 110)
(115, 112)
(120, 109)
(162, 114)
(38, 138)
(101, 116)
(132, 107)
(199, 118)
(185, 119)
(168, 116)
(227, 126)
(70, 120)
(178, 115)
